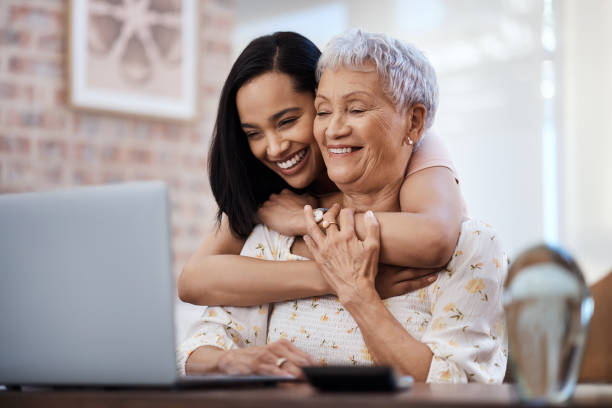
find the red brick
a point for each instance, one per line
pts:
(35, 18)
(7, 90)
(84, 152)
(110, 154)
(23, 119)
(18, 38)
(53, 175)
(11, 144)
(112, 176)
(51, 43)
(52, 149)
(139, 156)
(36, 66)
(84, 176)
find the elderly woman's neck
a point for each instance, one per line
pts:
(385, 198)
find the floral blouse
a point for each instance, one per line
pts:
(459, 317)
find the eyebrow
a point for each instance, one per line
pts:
(347, 96)
(275, 117)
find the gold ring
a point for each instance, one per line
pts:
(326, 224)
(280, 362)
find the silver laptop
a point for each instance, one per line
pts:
(86, 289)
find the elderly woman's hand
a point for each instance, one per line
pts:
(278, 358)
(348, 264)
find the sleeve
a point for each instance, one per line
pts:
(234, 327)
(226, 328)
(431, 152)
(466, 333)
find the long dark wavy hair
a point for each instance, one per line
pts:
(239, 181)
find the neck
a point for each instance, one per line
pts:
(385, 198)
(323, 185)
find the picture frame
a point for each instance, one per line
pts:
(137, 58)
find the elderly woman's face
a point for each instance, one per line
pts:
(360, 133)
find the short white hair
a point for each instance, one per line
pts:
(407, 76)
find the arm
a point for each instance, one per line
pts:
(423, 235)
(350, 266)
(216, 274)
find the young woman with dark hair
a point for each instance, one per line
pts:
(265, 165)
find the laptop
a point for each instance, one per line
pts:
(87, 292)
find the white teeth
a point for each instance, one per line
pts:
(292, 161)
(341, 150)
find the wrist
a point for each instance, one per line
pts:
(358, 294)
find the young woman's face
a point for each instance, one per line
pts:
(277, 122)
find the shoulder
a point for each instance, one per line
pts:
(480, 251)
(431, 152)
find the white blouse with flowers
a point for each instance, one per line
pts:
(460, 316)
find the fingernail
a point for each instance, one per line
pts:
(370, 214)
(306, 207)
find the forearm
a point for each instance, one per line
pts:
(244, 281)
(414, 239)
(204, 360)
(387, 341)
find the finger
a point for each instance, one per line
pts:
(330, 218)
(347, 221)
(416, 284)
(311, 226)
(296, 355)
(372, 239)
(311, 245)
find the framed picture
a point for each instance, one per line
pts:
(136, 57)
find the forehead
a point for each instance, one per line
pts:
(268, 94)
(344, 80)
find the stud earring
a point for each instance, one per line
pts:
(410, 142)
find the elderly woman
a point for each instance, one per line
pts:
(376, 96)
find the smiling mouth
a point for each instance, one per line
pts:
(293, 161)
(342, 150)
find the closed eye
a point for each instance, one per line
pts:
(287, 121)
(322, 113)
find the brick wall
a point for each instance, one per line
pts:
(44, 145)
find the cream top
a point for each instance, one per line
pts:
(460, 316)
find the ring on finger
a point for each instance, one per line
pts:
(326, 224)
(281, 361)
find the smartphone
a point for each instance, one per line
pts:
(356, 378)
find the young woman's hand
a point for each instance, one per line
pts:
(347, 263)
(284, 212)
(265, 360)
(395, 280)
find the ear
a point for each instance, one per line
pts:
(415, 123)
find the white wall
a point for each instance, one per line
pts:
(586, 160)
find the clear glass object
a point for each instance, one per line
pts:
(548, 310)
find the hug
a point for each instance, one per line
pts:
(326, 162)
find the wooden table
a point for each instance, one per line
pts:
(293, 396)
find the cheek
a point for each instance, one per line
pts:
(258, 148)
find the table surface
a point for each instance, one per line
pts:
(295, 396)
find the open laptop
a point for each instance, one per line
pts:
(86, 289)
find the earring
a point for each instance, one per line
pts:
(410, 142)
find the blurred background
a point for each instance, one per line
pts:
(525, 109)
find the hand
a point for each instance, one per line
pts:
(263, 360)
(347, 263)
(284, 212)
(395, 280)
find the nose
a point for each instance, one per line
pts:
(277, 145)
(337, 126)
